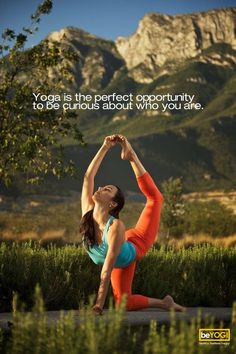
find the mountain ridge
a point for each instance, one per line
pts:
(180, 37)
(209, 74)
(197, 145)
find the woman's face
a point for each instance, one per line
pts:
(105, 194)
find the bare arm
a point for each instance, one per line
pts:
(115, 239)
(88, 183)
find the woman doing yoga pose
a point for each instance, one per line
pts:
(105, 237)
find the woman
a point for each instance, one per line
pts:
(106, 239)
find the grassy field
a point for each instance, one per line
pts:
(52, 218)
(226, 198)
(190, 240)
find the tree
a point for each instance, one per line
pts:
(28, 137)
(172, 216)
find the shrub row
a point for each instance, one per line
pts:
(199, 276)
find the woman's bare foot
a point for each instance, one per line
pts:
(127, 152)
(169, 303)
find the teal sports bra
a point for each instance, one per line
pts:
(98, 252)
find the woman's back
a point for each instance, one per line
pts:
(98, 252)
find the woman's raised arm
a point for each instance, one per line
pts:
(88, 183)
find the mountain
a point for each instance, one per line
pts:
(165, 41)
(97, 62)
(190, 53)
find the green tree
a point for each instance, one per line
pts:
(172, 217)
(30, 140)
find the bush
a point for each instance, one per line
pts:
(211, 218)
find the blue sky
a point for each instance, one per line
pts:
(105, 18)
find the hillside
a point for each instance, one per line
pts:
(193, 54)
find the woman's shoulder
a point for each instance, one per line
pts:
(117, 224)
(116, 231)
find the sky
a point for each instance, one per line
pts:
(105, 18)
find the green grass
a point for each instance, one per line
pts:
(106, 334)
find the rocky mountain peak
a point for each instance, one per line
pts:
(74, 34)
(162, 39)
(97, 58)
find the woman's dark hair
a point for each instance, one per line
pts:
(87, 224)
(119, 198)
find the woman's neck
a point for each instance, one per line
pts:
(100, 216)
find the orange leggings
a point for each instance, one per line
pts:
(142, 236)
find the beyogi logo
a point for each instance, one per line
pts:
(214, 335)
